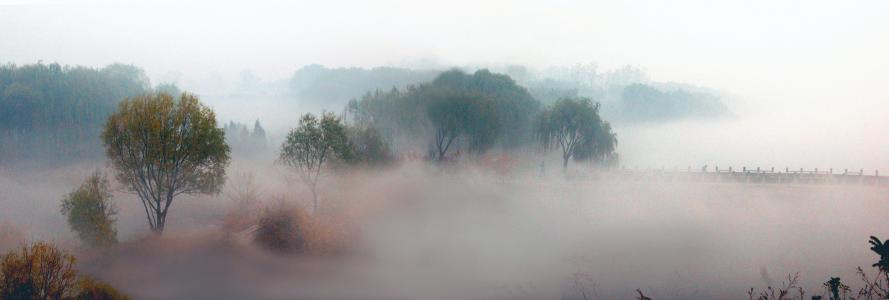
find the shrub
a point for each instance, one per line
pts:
(39, 271)
(245, 196)
(43, 271)
(281, 228)
(90, 211)
(91, 289)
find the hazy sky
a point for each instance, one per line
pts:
(818, 68)
(711, 42)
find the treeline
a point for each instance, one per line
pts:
(245, 141)
(321, 88)
(627, 94)
(459, 114)
(53, 113)
(642, 102)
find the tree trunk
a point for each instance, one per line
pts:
(314, 199)
(565, 159)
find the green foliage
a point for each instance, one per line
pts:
(90, 212)
(368, 147)
(52, 114)
(574, 126)
(513, 107)
(456, 113)
(500, 113)
(321, 88)
(312, 145)
(161, 148)
(39, 271)
(642, 102)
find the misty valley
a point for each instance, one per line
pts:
(409, 184)
(462, 149)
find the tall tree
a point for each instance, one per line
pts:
(162, 148)
(574, 126)
(460, 114)
(311, 146)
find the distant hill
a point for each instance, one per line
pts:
(320, 88)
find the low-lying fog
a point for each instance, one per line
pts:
(424, 233)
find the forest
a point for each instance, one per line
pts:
(50, 112)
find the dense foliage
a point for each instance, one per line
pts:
(574, 126)
(312, 145)
(470, 112)
(39, 271)
(54, 113)
(90, 212)
(321, 88)
(162, 148)
(43, 271)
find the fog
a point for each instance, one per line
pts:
(432, 235)
(804, 85)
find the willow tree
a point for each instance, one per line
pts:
(574, 126)
(311, 146)
(161, 148)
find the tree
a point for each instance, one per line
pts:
(575, 127)
(368, 147)
(43, 271)
(39, 271)
(161, 148)
(454, 114)
(90, 211)
(310, 146)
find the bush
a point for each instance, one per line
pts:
(91, 289)
(40, 271)
(245, 196)
(90, 212)
(43, 271)
(281, 228)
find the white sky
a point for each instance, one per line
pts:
(808, 63)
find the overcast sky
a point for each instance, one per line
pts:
(809, 63)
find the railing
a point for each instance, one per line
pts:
(754, 175)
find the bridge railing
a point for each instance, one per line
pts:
(755, 175)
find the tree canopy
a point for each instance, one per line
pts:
(161, 148)
(312, 145)
(470, 112)
(90, 211)
(573, 125)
